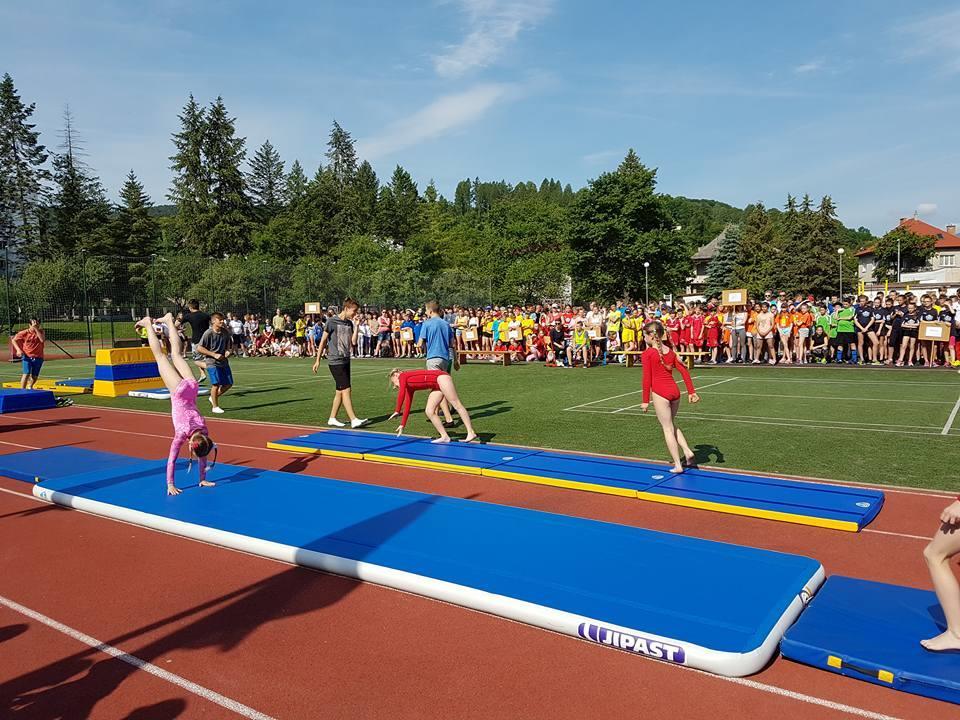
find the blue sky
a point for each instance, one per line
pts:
(738, 101)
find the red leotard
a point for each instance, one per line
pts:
(712, 324)
(685, 326)
(410, 382)
(696, 330)
(673, 327)
(658, 374)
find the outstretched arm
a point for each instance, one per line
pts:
(175, 445)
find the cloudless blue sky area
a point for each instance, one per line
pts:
(739, 101)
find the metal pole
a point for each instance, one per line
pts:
(153, 281)
(898, 259)
(6, 272)
(646, 283)
(86, 304)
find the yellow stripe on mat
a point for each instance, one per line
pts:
(557, 482)
(295, 448)
(750, 512)
(414, 462)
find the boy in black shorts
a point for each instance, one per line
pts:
(339, 337)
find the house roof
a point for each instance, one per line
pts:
(945, 241)
(710, 249)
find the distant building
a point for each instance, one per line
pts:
(942, 269)
(701, 261)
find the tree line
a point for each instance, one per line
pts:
(242, 222)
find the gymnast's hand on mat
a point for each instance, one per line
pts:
(951, 514)
(400, 431)
(644, 406)
(392, 416)
(694, 398)
(172, 489)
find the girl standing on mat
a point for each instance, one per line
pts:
(441, 387)
(944, 546)
(659, 360)
(188, 425)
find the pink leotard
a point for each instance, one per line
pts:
(186, 421)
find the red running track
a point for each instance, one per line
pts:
(287, 642)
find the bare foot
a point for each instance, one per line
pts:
(441, 440)
(173, 490)
(690, 459)
(943, 642)
(677, 469)
(145, 322)
(168, 320)
(470, 438)
(207, 483)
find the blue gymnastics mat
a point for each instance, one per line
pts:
(54, 463)
(159, 393)
(130, 371)
(718, 607)
(872, 631)
(819, 504)
(77, 382)
(17, 400)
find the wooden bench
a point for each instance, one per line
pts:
(690, 357)
(504, 355)
(632, 356)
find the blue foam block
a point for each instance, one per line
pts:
(60, 462)
(133, 371)
(76, 382)
(871, 628)
(714, 599)
(615, 472)
(16, 400)
(354, 441)
(471, 455)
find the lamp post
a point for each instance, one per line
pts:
(898, 258)
(646, 283)
(840, 255)
(86, 305)
(265, 311)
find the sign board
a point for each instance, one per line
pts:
(470, 335)
(936, 331)
(734, 297)
(312, 308)
(406, 334)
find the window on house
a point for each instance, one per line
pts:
(948, 260)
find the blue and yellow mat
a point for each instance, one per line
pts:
(872, 631)
(710, 605)
(838, 507)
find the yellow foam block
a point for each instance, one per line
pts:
(51, 385)
(116, 388)
(557, 482)
(124, 356)
(415, 462)
(750, 512)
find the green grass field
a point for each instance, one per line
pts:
(869, 425)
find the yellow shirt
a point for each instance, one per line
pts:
(527, 325)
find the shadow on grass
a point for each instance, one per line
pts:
(706, 453)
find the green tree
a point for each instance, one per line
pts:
(756, 256)
(720, 270)
(618, 223)
(341, 155)
(135, 232)
(295, 186)
(367, 188)
(224, 153)
(266, 181)
(463, 197)
(22, 171)
(398, 207)
(915, 252)
(190, 191)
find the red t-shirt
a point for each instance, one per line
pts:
(30, 343)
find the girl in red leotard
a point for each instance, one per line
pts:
(441, 387)
(659, 361)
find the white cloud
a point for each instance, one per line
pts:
(603, 156)
(927, 208)
(935, 36)
(444, 114)
(809, 67)
(491, 26)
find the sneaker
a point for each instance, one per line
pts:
(218, 410)
(333, 422)
(358, 422)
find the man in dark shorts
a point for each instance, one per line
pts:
(339, 337)
(215, 347)
(199, 322)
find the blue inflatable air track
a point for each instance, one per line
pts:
(823, 505)
(131, 371)
(60, 462)
(872, 631)
(16, 400)
(76, 382)
(710, 605)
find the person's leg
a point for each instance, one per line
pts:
(445, 410)
(24, 379)
(337, 402)
(449, 394)
(346, 398)
(944, 546)
(662, 406)
(688, 454)
(215, 396)
(433, 401)
(168, 373)
(176, 348)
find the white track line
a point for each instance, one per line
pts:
(953, 414)
(925, 538)
(682, 392)
(744, 682)
(851, 382)
(818, 398)
(140, 664)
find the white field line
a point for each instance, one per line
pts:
(682, 392)
(788, 422)
(815, 381)
(744, 682)
(818, 398)
(614, 411)
(140, 664)
(953, 414)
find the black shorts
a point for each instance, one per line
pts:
(910, 332)
(341, 375)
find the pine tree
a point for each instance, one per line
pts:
(224, 153)
(22, 158)
(190, 191)
(295, 186)
(266, 181)
(399, 212)
(341, 155)
(721, 267)
(462, 200)
(367, 188)
(755, 259)
(136, 233)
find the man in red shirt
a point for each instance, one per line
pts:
(29, 345)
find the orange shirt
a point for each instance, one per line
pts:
(751, 321)
(784, 319)
(30, 343)
(802, 320)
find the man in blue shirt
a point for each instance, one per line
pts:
(437, 339)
